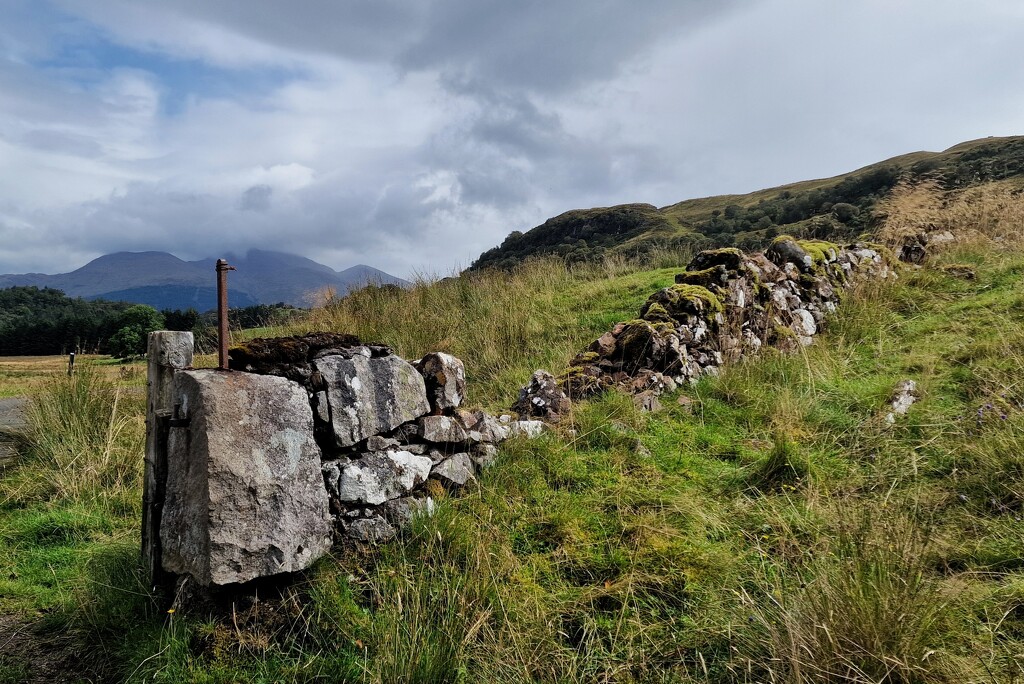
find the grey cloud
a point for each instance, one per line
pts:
(541, 45)
(66, 143)
(256, 198)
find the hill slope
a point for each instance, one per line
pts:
(835, 208)
(165, 281)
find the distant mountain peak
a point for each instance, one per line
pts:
(165, 281)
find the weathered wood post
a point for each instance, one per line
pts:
(167, 352)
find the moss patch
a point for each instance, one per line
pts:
(729, 257)
(820, 251)
(657, 313)
(684, 299)
(712, 276)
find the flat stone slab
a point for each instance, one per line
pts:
(370, 395)
(245, 495)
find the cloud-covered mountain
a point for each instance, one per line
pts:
(167, 282)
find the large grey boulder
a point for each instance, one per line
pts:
(379, 477)
(245, 497)
(370, 395)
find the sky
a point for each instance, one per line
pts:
(411, 135)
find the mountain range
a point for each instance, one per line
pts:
(164, 281)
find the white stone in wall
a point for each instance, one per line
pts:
(378, 477)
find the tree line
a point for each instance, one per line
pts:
(44, 321)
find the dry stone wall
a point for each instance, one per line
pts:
(726, 305)
(308, 443)
(314, 441)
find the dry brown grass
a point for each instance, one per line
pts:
(991, 212)
(24, 375)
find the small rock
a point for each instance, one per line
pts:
(440, 429)
(482, 427)
(370, 530)
(445, 378)
(377, 477)
(903, 397)
(527, 428)
(456, 471)
(647, 401)
(484, 455)
(604, 345)
(401, 512)
(542, 398)
(378, 443)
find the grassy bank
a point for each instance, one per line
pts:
(777, 528)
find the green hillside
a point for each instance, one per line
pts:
(832, 208)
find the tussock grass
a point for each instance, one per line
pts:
(86, 435)
(989, 212)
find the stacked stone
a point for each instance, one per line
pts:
(384, 426)
(319, 440)
(725, 306)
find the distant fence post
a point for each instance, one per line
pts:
(167, 352)
(71, 364)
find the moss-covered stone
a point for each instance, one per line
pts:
(710, 277)
(728, 257)
(585, 358)
(636, 338)
(579, 383)
(656, 313)
(681, 300)
(787, 249)
(262, 353)
(820, 251)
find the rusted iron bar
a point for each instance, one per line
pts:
(222, 311)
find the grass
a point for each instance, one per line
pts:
(773, 529)
(503, 326)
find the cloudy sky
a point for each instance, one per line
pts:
(412, 135)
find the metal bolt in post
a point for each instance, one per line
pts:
(222, 312)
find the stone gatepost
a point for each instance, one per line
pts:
(167, 352)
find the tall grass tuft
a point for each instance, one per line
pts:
(863, 606)
(990, 212)
(87, 437)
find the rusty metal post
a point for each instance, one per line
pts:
(222, 312)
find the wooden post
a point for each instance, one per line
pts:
(167, 352)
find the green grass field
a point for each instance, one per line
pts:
(776, 529)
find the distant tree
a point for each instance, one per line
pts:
(134, 326)
(845, 212)
(177, 319)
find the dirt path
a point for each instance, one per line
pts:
(28, 657)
